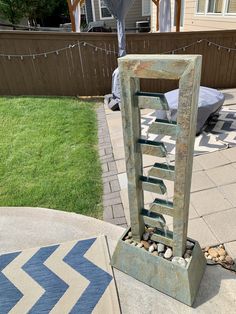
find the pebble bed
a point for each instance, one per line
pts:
(159, 249)
(218, 255)
(213, 255)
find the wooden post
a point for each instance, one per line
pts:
(156, 2)
(178, 14)
(72, 7)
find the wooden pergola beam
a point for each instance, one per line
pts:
(72, 8)
(177, 14)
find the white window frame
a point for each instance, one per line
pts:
(208, 14)
(100, 12)
(143, 7)
(225, 9)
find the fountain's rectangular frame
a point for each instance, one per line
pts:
(186, 69)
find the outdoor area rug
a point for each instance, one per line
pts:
(71, 277)
(216, 136)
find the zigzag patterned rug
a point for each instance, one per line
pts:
(72, 277)
(216, 136)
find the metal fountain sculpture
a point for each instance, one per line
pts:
(178, 281)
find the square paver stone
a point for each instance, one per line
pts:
(231, 249)
(200, 181)
(199, 230)
(230, 154)
(122, 177)
(230, 192)
(222, 175)
(223, 225)
(209, 201)
(196, 165)
(120, 165)
(118, 152)
(212, 160)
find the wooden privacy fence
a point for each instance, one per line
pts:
(86, 68)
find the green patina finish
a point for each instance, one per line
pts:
(179, 282)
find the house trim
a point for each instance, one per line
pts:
(93, 10)
(100, 13)
(210, 14)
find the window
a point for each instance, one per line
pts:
(146, 7)
(221, 7)
(201, 6)
(215, 6)
(231, 7)
(104, 12)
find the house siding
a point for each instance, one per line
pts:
(134, 15)
(195, 22)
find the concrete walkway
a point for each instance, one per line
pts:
(22, 228)
(212, 217)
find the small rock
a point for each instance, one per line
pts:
(140, 245)
(130, 234)
(161, 254)
(229, 260)
(155, 253)
(189, 245)
(209, 257)
(186, 255)
(168, 253)
(221, 252)
(150, 230)
(151, 248)
(213, 252)
(221, 258)
(206, 254)
(145, 244)
(129, 241)
(160, 247)
(216, 259)
(126, 238)
(154, 245)
(187, 259)
(179, 261)
(133, 243)
(221, 246)
(146, 236)
(206, 248)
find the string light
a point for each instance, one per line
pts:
(96, 48)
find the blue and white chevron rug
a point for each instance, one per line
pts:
(72, 277)
(218, 135)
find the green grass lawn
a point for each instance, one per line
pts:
(49, 156)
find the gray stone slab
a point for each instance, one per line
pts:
(222, 175)
(212, 160)
(200, 181)
(209, 201)
(223, 224)
(200, 231)
(231, 249)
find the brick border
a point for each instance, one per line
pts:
(113, 207)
